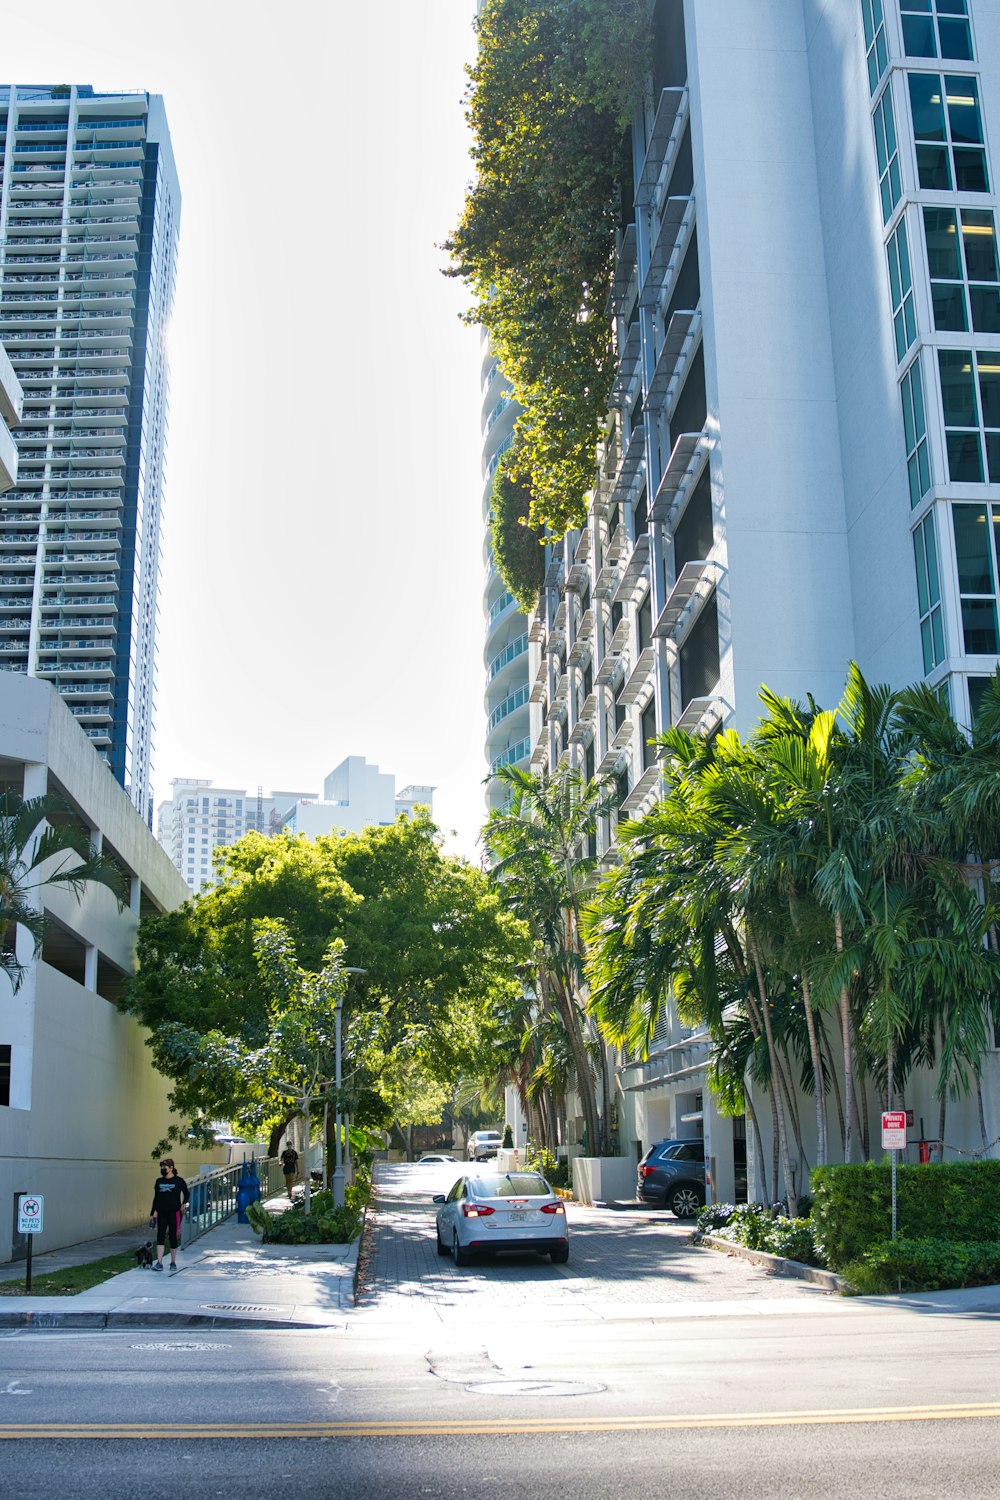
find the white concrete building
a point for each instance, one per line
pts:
(11, 407)
(201, 817)
(81, 1106)
(89, 213)
(356, 795)
(802, 465)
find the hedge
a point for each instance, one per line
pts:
(958, 1202)
(906, 1265)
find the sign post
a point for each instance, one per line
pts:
(30, 1207)
(893, 1140)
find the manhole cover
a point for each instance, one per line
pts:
(182, 1349)
(240, 1307)
(535, 1388)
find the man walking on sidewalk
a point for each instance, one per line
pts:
(290, 1167)
(170, 1196)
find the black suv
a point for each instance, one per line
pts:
(673, 1173)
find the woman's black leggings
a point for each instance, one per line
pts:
(168, 1226)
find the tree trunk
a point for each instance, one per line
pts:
(581, 1063)
(819, 1085)
(757, 1137)
(845, 1032)
(982, 1111)
(776, 1080)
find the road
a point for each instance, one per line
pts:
(498, 1382)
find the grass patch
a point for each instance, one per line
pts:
(74, 1279)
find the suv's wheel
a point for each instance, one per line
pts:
(683, 1202)
(462, 1257)
(442, 1247)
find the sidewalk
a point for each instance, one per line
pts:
(227, 1279)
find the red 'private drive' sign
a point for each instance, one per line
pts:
(894, 1130)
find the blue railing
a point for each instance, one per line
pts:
(213, 1194)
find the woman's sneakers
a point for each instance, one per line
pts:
(157, 1265)
(174, 1269)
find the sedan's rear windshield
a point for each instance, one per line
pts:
(512, 1185)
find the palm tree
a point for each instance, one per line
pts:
(541, 866)
(34, 833)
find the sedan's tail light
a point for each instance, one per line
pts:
(476, 1210)
(552, 1208)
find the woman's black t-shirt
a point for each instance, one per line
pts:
(169, 1195)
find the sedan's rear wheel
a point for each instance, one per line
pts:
(462, 1256)
(684, 1202)
(442, 1247)
(560, 1256)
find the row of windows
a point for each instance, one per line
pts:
(931, 28)
(947, 130)
(977, 555)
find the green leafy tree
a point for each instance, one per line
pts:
(437, 949)
(550, 96)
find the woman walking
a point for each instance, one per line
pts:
(170, 1196)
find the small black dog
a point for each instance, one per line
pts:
(144, 1256)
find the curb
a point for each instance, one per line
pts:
(776, 1264)
(44, 1320)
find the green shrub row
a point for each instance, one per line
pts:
(926, 1264)
(852, 1206)
(751, 1224)
(322, 1225)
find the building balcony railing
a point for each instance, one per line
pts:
(643, 795)
(671, 111)
(511, 757)
(510, 705)
(677, 215)
(676, 349)
(701, 715)
(695, 582)
(640, 681)
(628, 365)
(510, 653)
(636, 570)
(683, 467)
(625, 271)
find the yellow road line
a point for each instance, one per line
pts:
(493, 1427)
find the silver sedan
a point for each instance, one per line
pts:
(495, 1211)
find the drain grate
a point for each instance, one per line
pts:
(241, 1307)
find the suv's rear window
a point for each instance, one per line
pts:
(512, 1185)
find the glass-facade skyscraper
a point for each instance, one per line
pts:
(89, 214)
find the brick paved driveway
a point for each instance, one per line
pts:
(624, 1261)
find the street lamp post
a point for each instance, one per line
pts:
(339, 1176)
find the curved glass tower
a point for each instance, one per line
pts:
(505, 653)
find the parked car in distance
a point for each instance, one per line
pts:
(483, 1144)
(673, 1173)
(492, 1211)
(433, 1156)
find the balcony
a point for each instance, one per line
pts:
(683, 467)
(695, 582)
(625, 268)
(643, 795)
(701, 715)
(678, 345)
(580, 648)
(636, 570)
(640, 680)
(677, 215)
(511, 757)
(628, 365)
(671, 112)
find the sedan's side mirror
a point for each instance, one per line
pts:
(438, 1198)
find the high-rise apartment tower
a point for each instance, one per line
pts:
(88, 231)
(802, 462)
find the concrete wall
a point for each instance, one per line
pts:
(87, 1106)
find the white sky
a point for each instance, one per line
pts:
(321, 581)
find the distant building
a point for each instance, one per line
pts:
(201, 817)
(89, 214)
(81, 1106)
